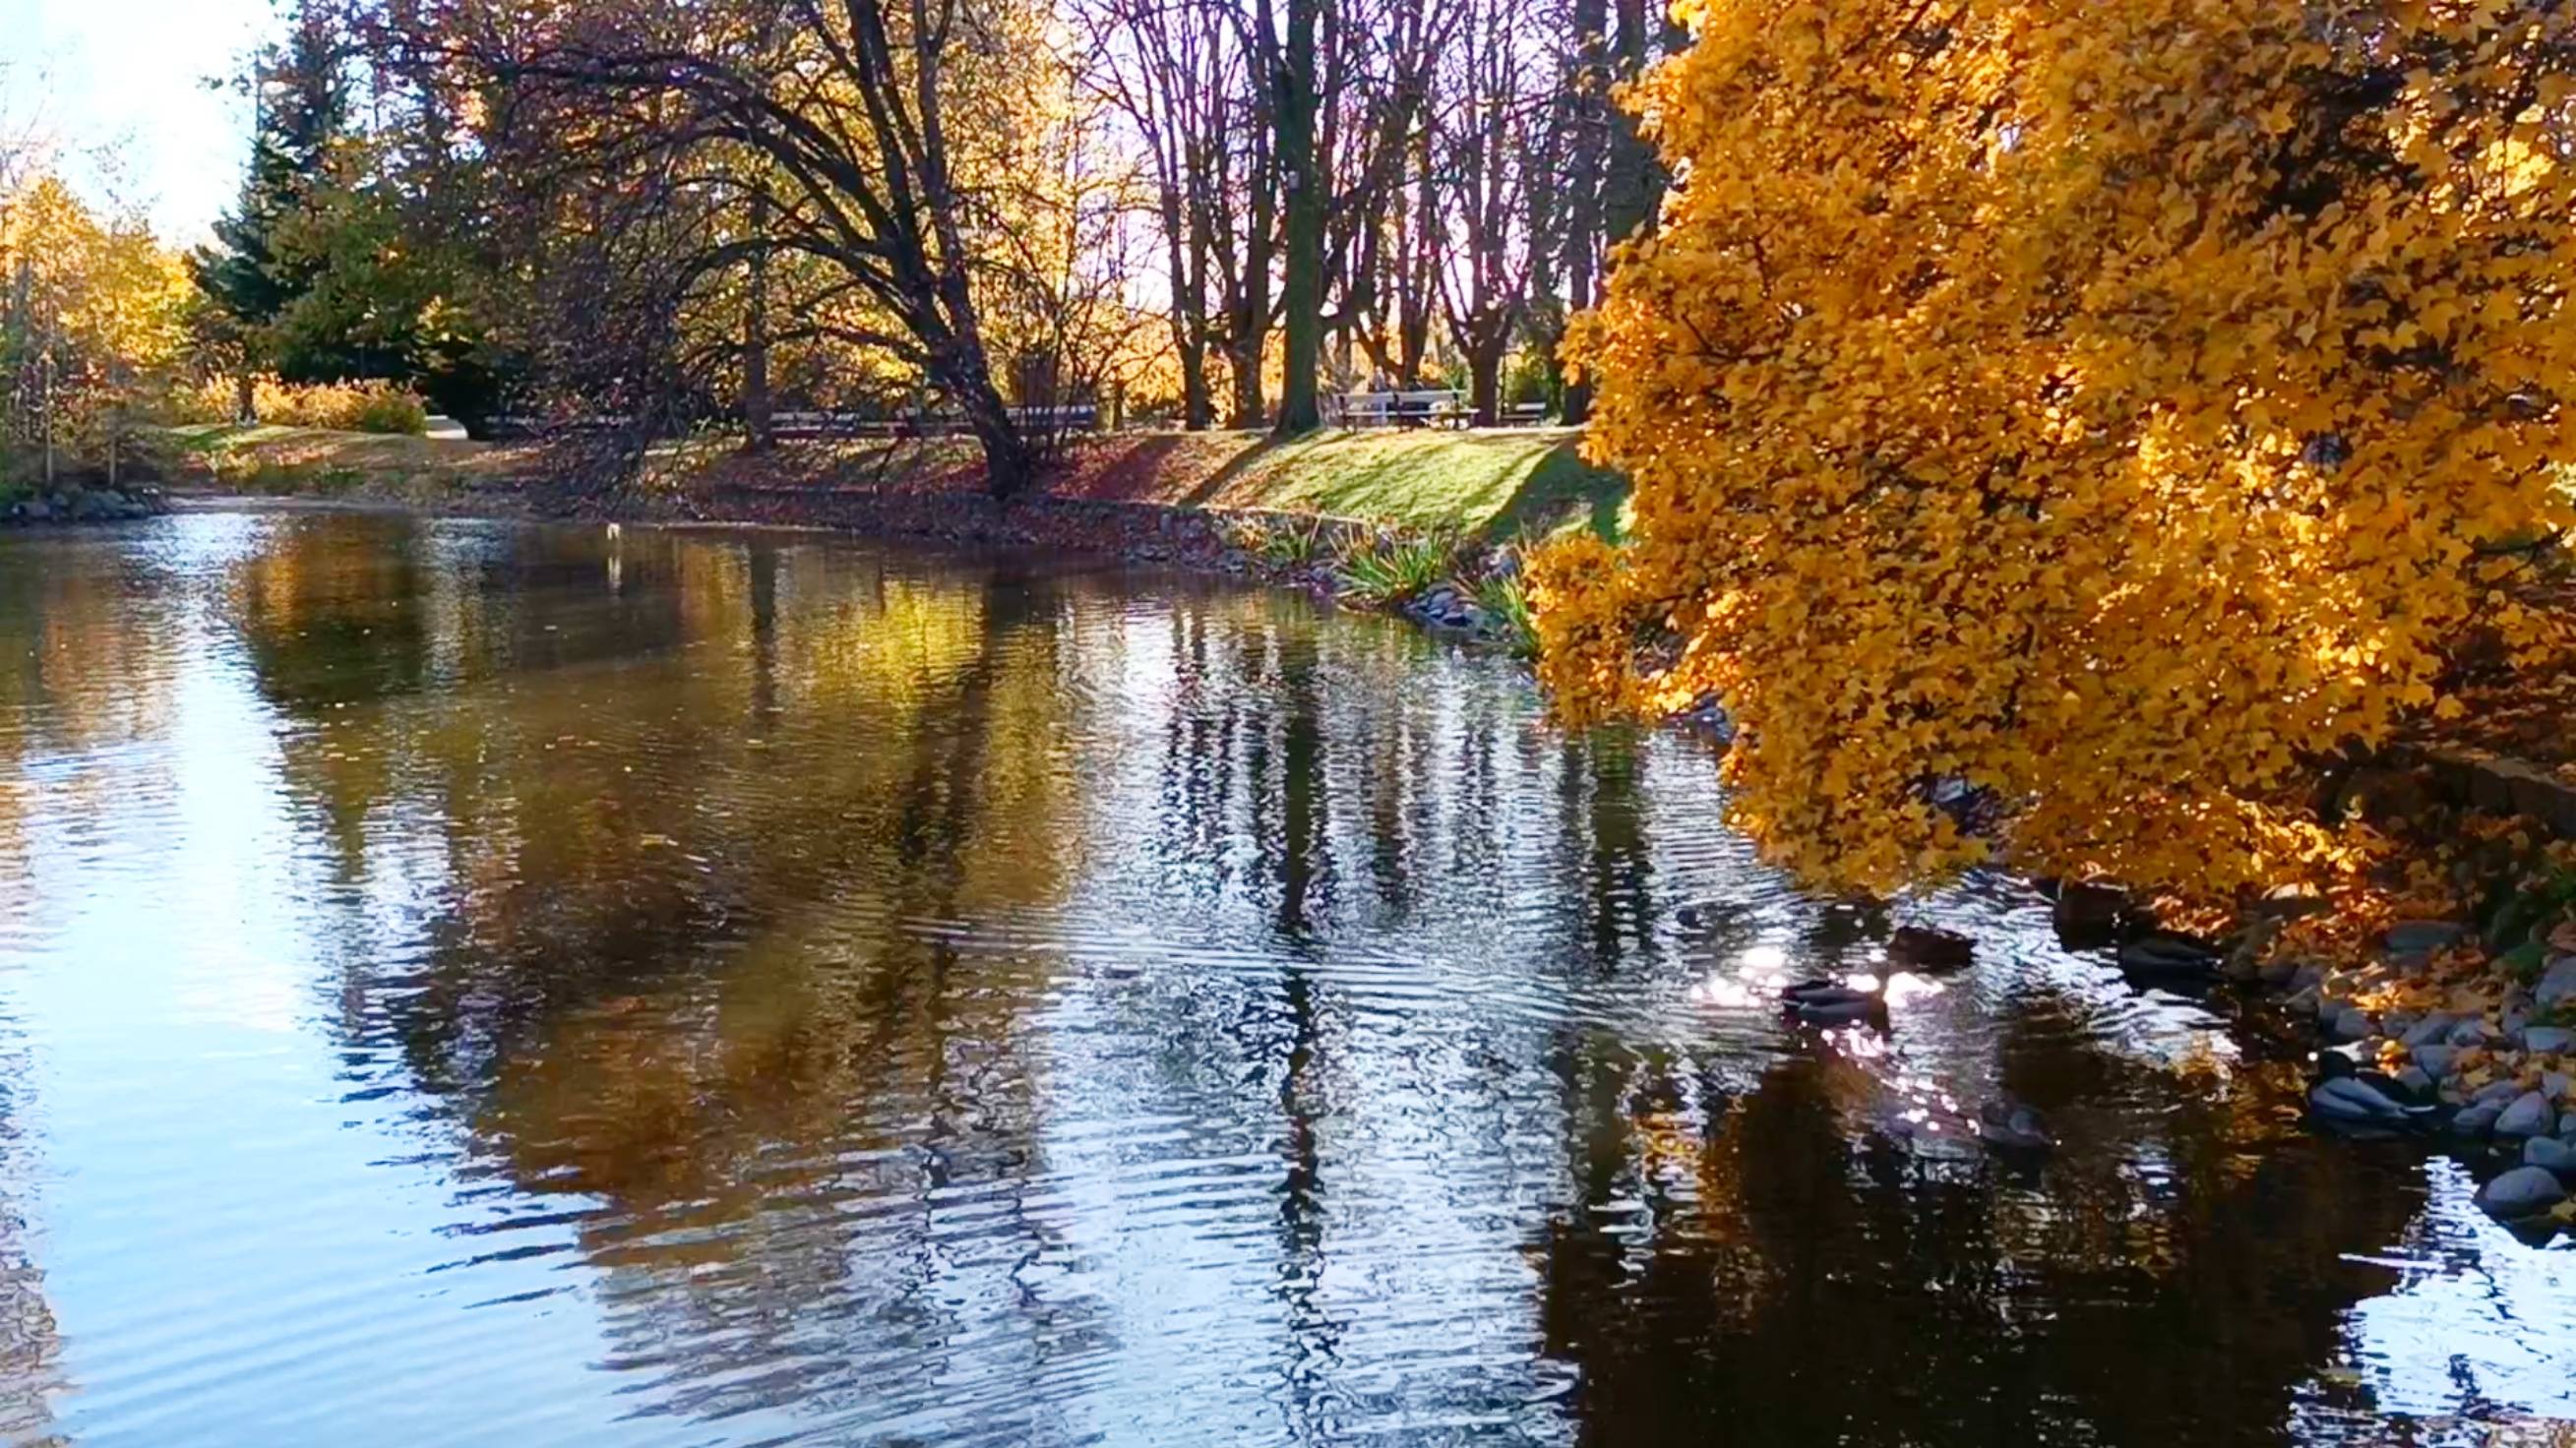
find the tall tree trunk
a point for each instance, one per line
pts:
(759, 434)
(1632, 183)
(1189, 309)
(1248, 329)
(1301, 291)
(1196, 413)
(1010, 463)
(1414, 301)
(1587, 143)
(1485, 378)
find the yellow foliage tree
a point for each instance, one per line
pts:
(92, 317)
(2116, 406)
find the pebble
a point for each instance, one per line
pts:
(2304, 1001)
(2422, 937)
(2555, 1084)
(2549, 1154)
(2521, 1192)
(2414, 1079)
(2557, 984)
(2498, 1092)
(2469, 1033)
(1922, 947)
(2428, 1030)
(2354, 1024)
(2548, 1038)
(2529, 1115)
(2476, 1118)
(2435, 1061)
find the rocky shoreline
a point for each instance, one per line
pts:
(2480, 1045)
(68, 504)
(1203, 540)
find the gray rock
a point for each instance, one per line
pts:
(2554, 1084)
(2435, 1061)
(36, 509)
(2429, 1030)
(2397, 1023)
(2498, 1092)
(2549, 1154)
(2311, 976)
(2089, 914)
(2278, 973)
(2548, 1038)
(2468, 1033)
(2422, 937)
(2567, 1123)
(2476, 1119)
(2528, 1115)
(2166, 955)
(2522, 1192)
(2556, 984)
(2415, 1081)
(2354, 1024)
(2304, 1001)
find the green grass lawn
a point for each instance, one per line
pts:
(1496, 485)
(1492, 485)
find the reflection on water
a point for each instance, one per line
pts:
(498, 984)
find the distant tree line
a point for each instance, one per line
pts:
(666, 212)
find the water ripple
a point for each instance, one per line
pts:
(507, 984)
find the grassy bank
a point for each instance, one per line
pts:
(270, 458)
(1485, 485)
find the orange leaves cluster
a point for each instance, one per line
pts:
(2116, 405)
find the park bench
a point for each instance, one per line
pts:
(1428, 407)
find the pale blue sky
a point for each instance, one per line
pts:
(118, 87)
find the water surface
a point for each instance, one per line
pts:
(475, 983)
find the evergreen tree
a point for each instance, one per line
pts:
(300, 96)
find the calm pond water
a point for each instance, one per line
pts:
(472, 983)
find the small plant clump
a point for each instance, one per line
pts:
(1289, 543)
(1390, 568)
(1505, 599)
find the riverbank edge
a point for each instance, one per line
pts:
(1191, 538)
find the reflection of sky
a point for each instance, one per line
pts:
(264, 1193)
(2479, 1320)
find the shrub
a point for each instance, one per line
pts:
(380, 407)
